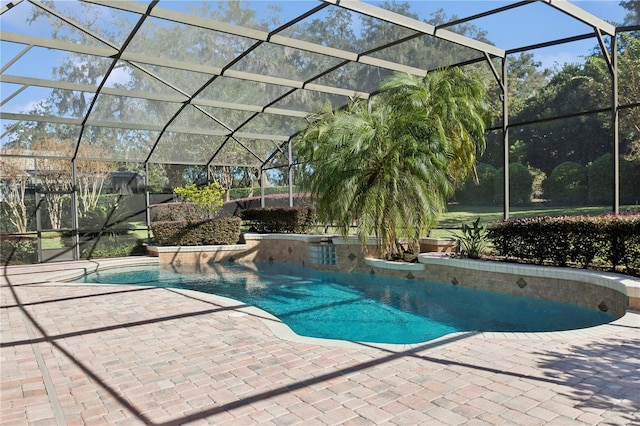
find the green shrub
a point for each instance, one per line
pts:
(520, 185)
(567, 184)
(600, 178)
(175, 212)
(580, 240)
(207, 199)
(18, 251)
(481, 193)
(280, 219)
(218, 231)
(237, 193)
(621, 235)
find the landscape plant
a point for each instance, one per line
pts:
(191, 222)
(472, 241)
(206, 199)
(388, 165)
(113, 246)
(212, 231)
(18, 251)
(106, 219)
(520, 185)
(567, 184)
(297, 220)
(482, 191)
(610, 241)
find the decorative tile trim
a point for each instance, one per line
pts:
(102, 265)
(438, 241)
(351, 240)
(387, 264)
(622, 283)
(192, 249)
(288, 237)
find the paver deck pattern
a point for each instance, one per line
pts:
(110, 354)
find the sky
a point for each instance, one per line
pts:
(530, 24)
(525, 25)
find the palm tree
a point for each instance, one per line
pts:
(455, 105)
(387, 165)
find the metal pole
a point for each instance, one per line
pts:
(505, 136)
(615, 117)
(39, 200)
(74, 211)
(262, 201)
(290, 170)
(147, 201)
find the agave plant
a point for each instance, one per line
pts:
(106, 221)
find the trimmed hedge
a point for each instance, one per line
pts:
(581, 240)
(218, 231)
(176, 211)
(296, 220)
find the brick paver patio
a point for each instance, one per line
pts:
(105, 354)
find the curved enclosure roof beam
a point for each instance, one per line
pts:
(582, 15)
(221, 115)
(413, 24)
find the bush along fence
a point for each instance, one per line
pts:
(280, 219)
(18, 251)
(179, 224)
(175, 211)
(213, 231)
(584, 241)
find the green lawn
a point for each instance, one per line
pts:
(452, 220)
(449, 223)
(54, 240)
(456, 214)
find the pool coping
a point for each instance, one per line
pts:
(283, 331)
(622, 283)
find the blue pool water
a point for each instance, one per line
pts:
(362, 307)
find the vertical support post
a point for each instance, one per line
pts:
(75, 240)
(505, 136)
(147, 201)
(615, 117)
(262, 200)
(39, 200)
(290, 171)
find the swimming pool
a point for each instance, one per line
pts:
(362, 307)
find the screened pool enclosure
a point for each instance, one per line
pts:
(106, 106)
